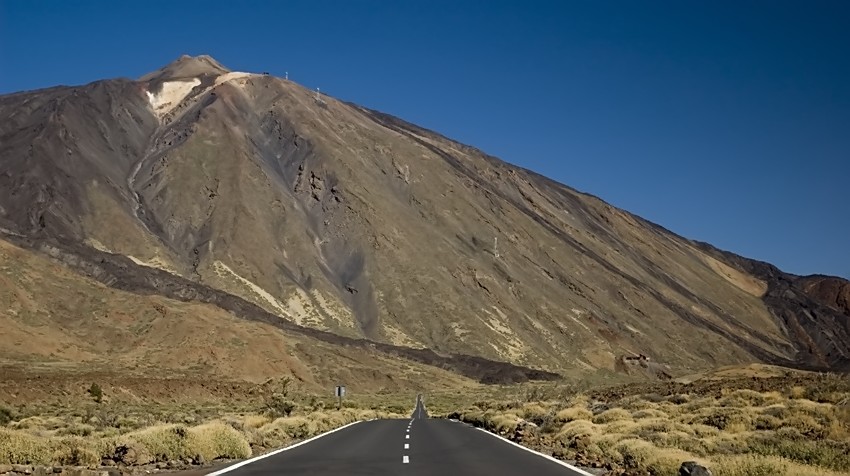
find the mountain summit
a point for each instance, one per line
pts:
(349, 225)
(187, 67)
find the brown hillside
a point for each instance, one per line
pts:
(333, 221)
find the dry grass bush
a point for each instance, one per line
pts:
(644, 456)
(21, 448)
(734, 420)
(778, 410)
(797, 392)
(576, 429)
(205, 442)
(163, 442)
(648, 413)
(614, 414)
(749, 465)
(807, 425)
(622, 427)
(76, 452)
(573, 413)
(751, 398)
(683, 441)
(79, 438)
(283, 430)
(535, 413)
(76, 429)
(217, 440)
(696, 404)
(17, 447)
(828, 454)
(504, 424)
(254, 421)
(650, 426)
(679, 398)
(736, 431)
(636, 402)
(755, 465)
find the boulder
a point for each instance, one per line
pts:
(691, 468)
(5, 468)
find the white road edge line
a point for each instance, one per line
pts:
(281, 450)
(554, 460)
(405, 459)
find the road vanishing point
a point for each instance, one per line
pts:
(418, 446)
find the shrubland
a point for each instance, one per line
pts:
(100, 432)
(794, 426)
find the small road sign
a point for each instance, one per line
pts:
(340, 392)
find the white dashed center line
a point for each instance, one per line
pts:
(405, 458)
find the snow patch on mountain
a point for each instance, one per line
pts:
(170, 95)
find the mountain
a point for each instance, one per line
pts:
(350, 227)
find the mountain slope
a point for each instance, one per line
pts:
(57, 320)
(342, 219)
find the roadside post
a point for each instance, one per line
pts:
(340, 392)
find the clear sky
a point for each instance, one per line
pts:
(726, 122)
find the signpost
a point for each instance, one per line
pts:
(340, 392)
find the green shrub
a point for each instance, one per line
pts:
(5, 416)
(96, 392)
(279, 406)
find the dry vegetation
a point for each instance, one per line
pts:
(794, 426)
(173, 435)
(736, 422)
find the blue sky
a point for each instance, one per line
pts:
(726, 122)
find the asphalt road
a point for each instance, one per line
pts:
(419, 446)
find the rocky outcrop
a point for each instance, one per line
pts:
(812, 309)
(830, 291)
(691, 468)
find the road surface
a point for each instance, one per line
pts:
(417, 447)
